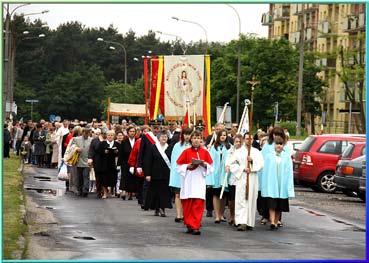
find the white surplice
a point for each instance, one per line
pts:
(245, 210)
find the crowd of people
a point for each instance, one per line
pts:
(164, 165)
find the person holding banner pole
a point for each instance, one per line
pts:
(245, 209)
(219, 153)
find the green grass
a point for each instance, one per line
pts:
(13, 225)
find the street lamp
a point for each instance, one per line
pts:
(178, 39)
(125, 54)
(9, 56)
(238, 63)
(195, 23)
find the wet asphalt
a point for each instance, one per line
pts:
(113, 229)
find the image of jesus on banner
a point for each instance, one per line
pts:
(183, 85)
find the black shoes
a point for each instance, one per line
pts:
(156, 213)
(123, 197)
(273, 227)
(189, 231)
(178, 219)
(241, 228)
(85, 194)
(162, 212)
(249, 227)
(209, 213)
(196, 232)
(217, 221)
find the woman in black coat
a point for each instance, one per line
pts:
(109, 151)
(97, 160)
(128, 183)
(156, 163)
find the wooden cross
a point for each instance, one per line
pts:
(253, 82)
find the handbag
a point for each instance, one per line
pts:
(63, 173)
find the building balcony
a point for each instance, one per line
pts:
(281, 14)
(297, 10)
(353, 23)
(266, 19)
(311, 7)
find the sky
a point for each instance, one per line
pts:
(219, 20)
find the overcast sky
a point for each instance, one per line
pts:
(219, 20)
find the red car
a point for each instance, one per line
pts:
(314, 163)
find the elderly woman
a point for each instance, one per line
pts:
(109, 151)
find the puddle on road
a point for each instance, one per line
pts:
(84, 238)
(353, 227)
(54, 192)
(42, 233)
(42, 178)
(311, 212)
(47, 207)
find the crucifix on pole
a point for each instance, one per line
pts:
(253, 83)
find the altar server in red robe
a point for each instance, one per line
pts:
(194, 164)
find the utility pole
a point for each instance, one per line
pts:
(6, 62)
(276, 112)
(301, 72)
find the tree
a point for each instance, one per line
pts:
(75, 94)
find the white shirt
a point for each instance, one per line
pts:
(132, 142)
(110, 144)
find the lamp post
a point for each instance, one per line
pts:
(178, 39)
(301, 72)
(195, 23)
(9, 56)
(125, 55)
(238, 64)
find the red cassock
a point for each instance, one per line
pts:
(193, 208)
(194, 153)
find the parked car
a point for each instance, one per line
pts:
(347, 176)
(362, 181)
(314, 163)
(353, 150)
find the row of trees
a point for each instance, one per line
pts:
(72, 74)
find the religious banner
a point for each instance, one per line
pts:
(183, 86)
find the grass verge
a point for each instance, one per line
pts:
(13, 199)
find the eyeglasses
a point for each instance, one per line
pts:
(279, 143)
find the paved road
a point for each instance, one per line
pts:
(350, 208)
(116, 229)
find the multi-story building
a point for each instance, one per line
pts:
(327, 29)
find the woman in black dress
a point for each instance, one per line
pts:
(109, 151)
(128, 182)
(157, 165)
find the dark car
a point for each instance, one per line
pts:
(348, 173)
(362, 181)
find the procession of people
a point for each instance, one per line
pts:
(168, 166)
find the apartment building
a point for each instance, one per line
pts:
(327, 28)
